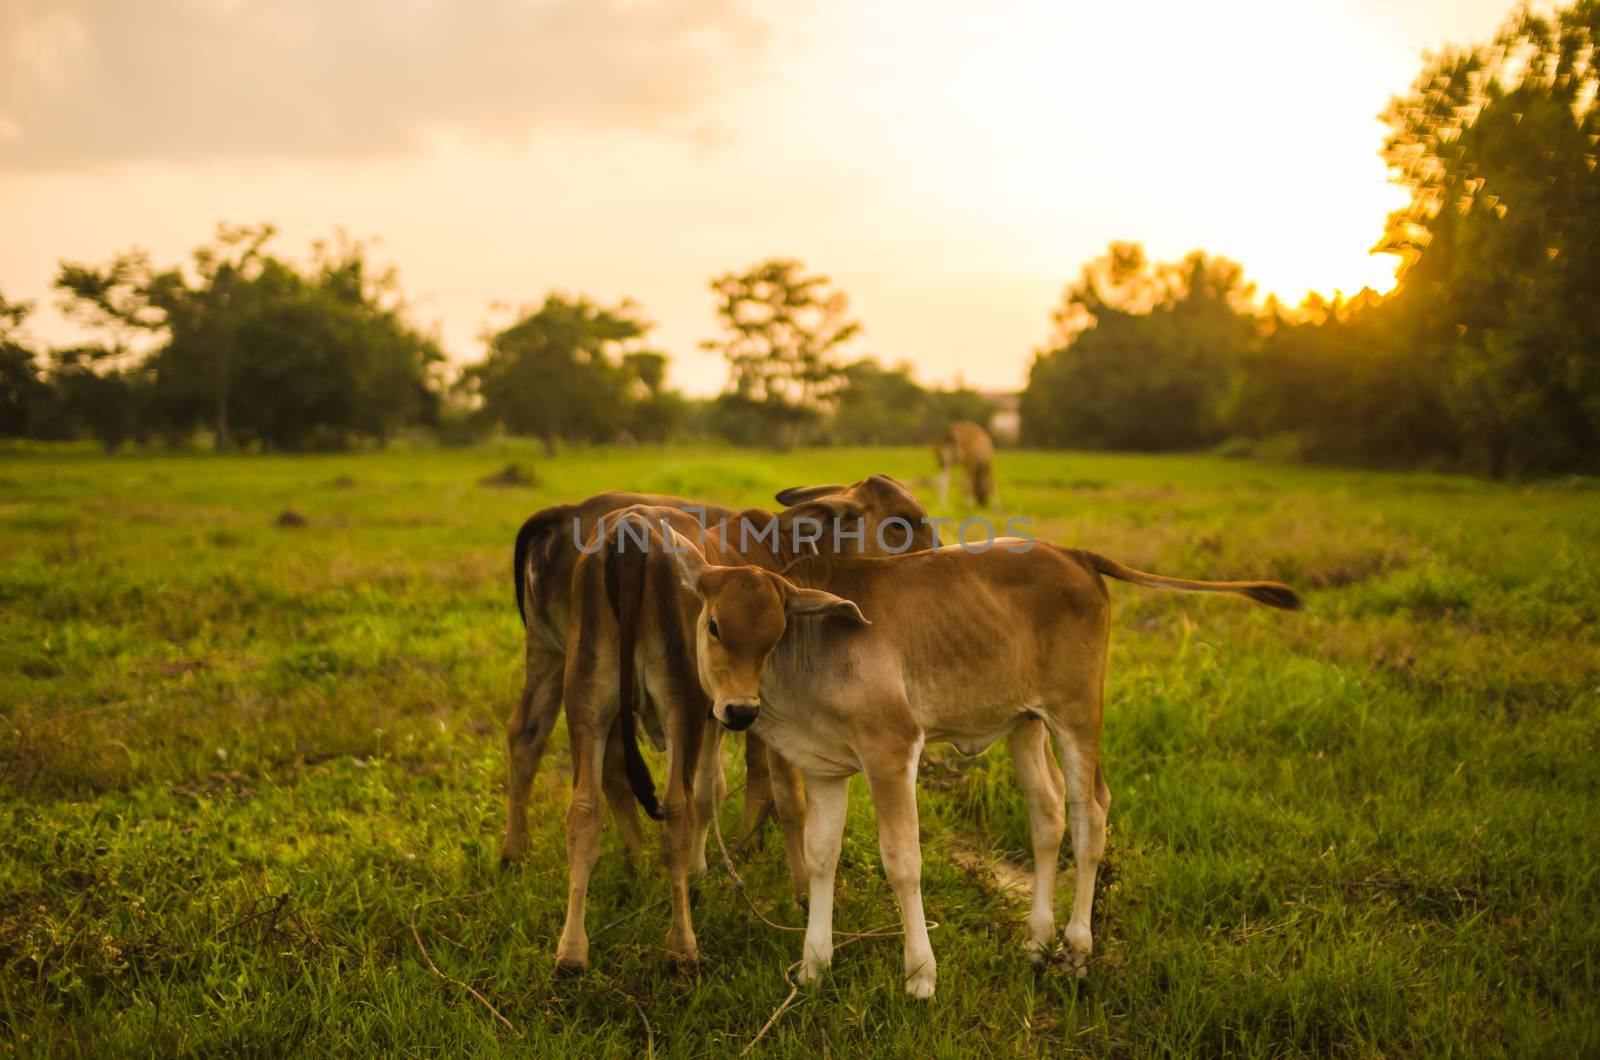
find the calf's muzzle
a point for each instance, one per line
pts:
(739, 715)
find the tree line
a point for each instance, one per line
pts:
(251, 349)
(1486, 357)
(1483, 358)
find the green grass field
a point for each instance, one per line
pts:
(236, 756)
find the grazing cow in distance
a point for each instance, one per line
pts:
(853, 665)
(969, 445)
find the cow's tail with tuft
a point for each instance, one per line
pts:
(625, 570)
(1272, 594)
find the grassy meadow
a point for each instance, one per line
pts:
(240, 760)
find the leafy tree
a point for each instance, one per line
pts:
(23, 396)
(1501, 238)
(656, 412)
(886, 406)
(575, 370)
(93, 395)
(258, 349)
(782, 331)
(1143, 354)
(194, 366)
(1349, 382)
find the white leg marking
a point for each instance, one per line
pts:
(827, 801)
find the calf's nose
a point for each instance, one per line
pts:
(740, 716)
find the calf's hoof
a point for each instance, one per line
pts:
(566, 969)
(920, 987)
(811, 972)
(1079, 945)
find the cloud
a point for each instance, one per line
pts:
(84, 82)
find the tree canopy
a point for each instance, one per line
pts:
(1501, 237)
(782, 332)
(254, 347)
(1142, 354)
(1487, 354)
(575, 370)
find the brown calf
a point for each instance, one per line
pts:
(951, 646)
(547, 550)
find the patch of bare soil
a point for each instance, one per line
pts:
(996, 872)
(510, 475)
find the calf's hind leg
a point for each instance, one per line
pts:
(1080, 763)
(1043, 787)
(527, 732)
(619, 794)
(588, 731)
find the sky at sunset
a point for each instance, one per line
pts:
(951, 166)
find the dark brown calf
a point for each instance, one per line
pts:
(633, 626)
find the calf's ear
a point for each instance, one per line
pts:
(801, 494)
(817, 602)
(690, 561)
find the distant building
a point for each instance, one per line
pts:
(1005, 425)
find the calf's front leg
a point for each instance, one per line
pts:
(828, 799)
(619, 793)
(685, 728)
(758, 791)
(893, 782)
(710, 787)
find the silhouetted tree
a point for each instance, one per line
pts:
(1501, 238)
(886, 406)
(782, 331)
(23, 395)
(575, 370)
(259, 349)
(1142, 355)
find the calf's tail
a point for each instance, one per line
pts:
(624, 576)
(1272, 594)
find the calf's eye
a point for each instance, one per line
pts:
(711, 628)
